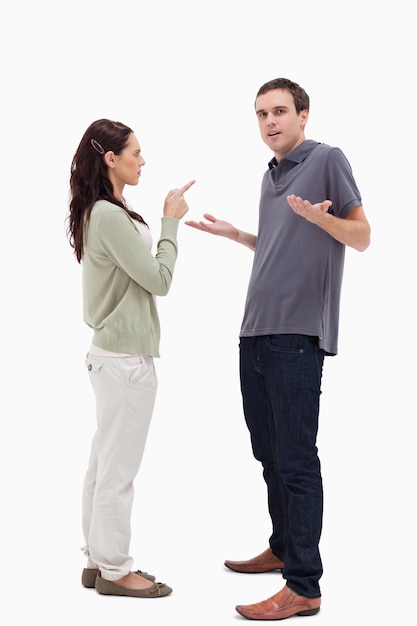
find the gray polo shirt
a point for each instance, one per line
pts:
(297, 271)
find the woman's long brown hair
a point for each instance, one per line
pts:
(89, 180)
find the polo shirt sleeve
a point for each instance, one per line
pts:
(342, 188)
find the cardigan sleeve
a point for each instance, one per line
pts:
(121, 242)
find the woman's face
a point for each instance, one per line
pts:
(125, 168)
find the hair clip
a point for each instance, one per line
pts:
(97, 146)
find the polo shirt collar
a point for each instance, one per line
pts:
(298, 154)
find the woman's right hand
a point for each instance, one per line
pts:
(175, 204)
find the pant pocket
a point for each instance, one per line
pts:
(92, 366)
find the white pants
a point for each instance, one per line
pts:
(125, 389)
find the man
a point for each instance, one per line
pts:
(310, 209)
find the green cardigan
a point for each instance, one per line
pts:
(121, 276)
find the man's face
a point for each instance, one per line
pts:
(282, 129)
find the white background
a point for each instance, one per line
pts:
(184, 76)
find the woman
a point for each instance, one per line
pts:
(121, 278)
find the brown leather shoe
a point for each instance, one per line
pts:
(283, 604)
(265, 562)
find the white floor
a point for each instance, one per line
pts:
(200, 499)
(204, 593)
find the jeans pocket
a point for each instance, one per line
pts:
(286, 344)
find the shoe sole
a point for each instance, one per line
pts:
(253, 570)
(275, 617)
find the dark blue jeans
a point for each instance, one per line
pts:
(281, 386)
